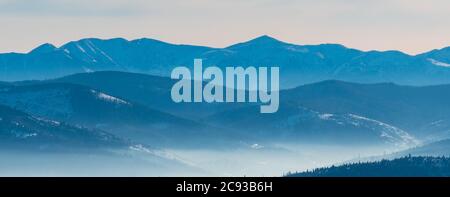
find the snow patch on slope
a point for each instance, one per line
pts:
(297, 49)
(81, 48)
(108, 98)
(390, 132)
(52, 122)
(438, 63)
(325, 116)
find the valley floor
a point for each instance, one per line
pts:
(258, 160)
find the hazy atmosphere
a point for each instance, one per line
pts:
(412, 26)
(142, 88)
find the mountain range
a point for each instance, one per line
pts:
(114, 94)
(139, 107)
(37, 146)
(313, 63)
(91, 108)
(421, 111)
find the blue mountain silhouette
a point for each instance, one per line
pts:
(300, 64)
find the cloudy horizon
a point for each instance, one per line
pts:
(411, 26)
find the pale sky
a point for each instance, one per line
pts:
(412, 26)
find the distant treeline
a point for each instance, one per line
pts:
(401, 167)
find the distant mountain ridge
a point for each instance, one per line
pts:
(299, 64)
